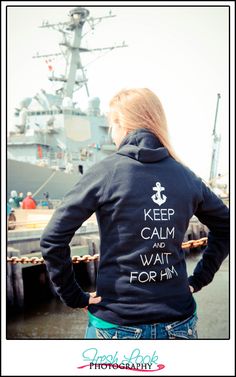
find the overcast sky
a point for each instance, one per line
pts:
(181, 53)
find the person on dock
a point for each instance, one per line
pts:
(11, 218)
(29, 202)
(14, 200)
(144, 198)
(46, 202)
(21, 198)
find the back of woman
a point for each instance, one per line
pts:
(148, 203)
(143, 197)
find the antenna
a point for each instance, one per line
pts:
(72, 37)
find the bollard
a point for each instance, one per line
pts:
(15, 285)
(10, 292)
(91, 269)
(96, 241)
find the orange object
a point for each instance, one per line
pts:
(40, 151)
(29, 203)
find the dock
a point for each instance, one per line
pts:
(35, 312)
(24, 242)
(23, 245)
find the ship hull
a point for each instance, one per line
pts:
(24, 177)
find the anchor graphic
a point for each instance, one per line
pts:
(159, 198)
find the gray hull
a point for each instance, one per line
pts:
(23, 177)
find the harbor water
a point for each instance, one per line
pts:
(50, 319)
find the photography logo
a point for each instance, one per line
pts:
(134, 361)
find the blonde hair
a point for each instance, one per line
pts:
(141, 108)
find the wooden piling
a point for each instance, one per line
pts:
(96, 240)
(91, 269)
(10, 292)
(15, 285)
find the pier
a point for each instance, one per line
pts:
(52, 320)
(35, 311)
(24, 243)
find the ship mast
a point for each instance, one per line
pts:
(78, 18)
(215, 148)
(72, 37)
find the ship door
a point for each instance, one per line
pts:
(81, 169)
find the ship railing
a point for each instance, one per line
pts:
(108, 147)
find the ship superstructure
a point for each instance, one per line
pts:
(50, 130)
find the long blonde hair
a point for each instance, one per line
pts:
(141, 108)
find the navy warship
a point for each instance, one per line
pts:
(53, 142)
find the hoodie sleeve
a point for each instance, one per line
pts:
(215, 215)
(77, 206)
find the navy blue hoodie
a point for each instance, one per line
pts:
(143, 201)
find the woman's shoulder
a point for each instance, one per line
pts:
(182, 167)
(105, 166)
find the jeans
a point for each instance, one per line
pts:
(184, 329)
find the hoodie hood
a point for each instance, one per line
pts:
(142, 145)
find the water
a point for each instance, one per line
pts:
(213, 303)
(53, 320)
(48, 320)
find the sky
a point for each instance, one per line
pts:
(181, 53)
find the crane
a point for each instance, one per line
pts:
(215, 148)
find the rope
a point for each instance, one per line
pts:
(89, 258)
(40, 188)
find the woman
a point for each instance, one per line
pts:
(143, 197)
